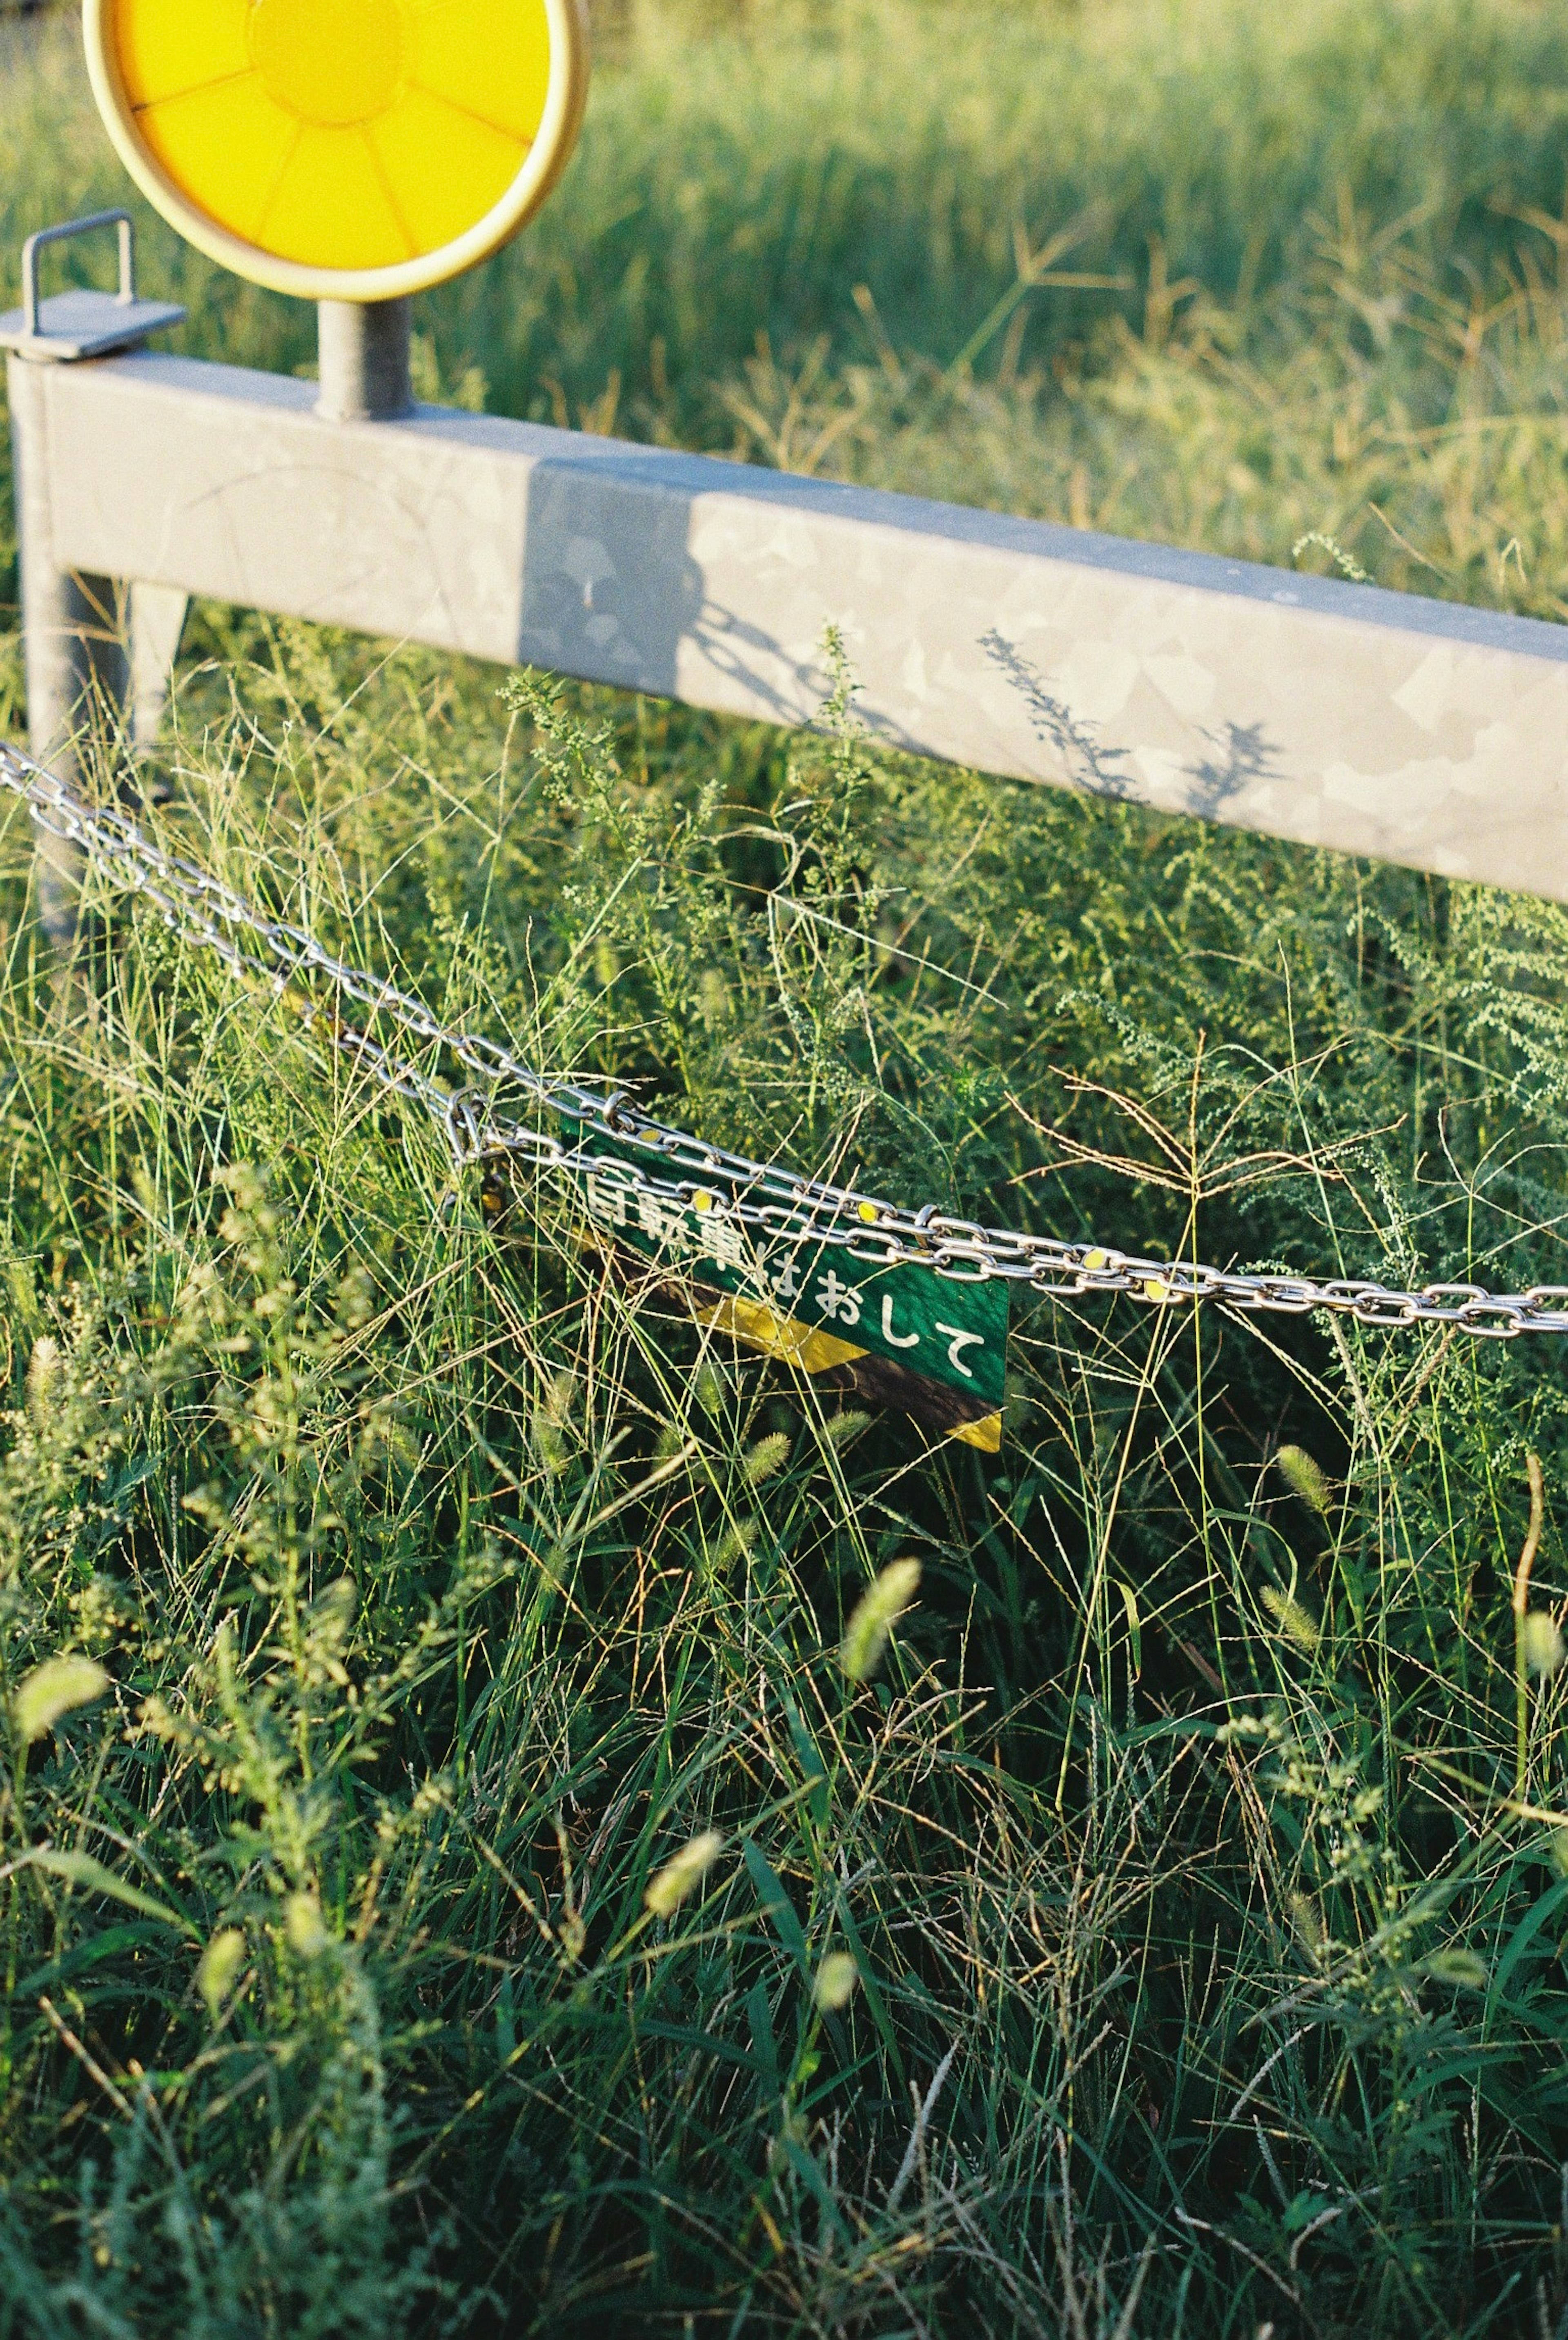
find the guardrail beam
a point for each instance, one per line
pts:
(1328, 713)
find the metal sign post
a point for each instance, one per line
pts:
(363, 374)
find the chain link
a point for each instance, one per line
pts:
(778, 1206)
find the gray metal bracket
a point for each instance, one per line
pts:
(83, 323)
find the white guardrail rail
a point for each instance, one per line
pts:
(1327, 712)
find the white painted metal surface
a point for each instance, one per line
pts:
(1333, 714)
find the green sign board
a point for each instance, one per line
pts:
(810, 1300)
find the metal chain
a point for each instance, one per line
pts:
(779, 1206)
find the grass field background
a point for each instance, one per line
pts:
(1166, 1936)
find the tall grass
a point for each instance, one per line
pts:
(497, 1835)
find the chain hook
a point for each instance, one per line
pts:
(464, 1130)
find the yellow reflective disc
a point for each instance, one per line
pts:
(336, 67)
(341, 149)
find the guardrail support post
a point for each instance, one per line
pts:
(157, 621)
(73, 634)
(76, 624)
(364, 361)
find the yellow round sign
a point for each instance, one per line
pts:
(346, 150)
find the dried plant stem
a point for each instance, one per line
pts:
(1520, 1607)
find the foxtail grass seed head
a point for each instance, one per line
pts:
(45, 1368)
(837, 1979)
(1304, 1477)
(680, 1877)
(55, 1689)
(1462, 1969)
(219, 1967)
(550, 1446)
(19, 1282)
(1541, 1642)
(561, 1402)
(553, 1422)
(1296, 1624)
(876, 1614)
(307, 1937)
(769, 1456)
(841, 1429)
(736, 1544)
(1307, 1924)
